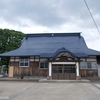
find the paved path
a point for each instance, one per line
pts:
(49, 91)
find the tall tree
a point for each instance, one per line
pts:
(9, 40)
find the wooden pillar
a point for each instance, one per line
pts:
(77, 71)
(50, 71)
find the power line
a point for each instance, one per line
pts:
(92, 16)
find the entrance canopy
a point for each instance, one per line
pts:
(64, 52)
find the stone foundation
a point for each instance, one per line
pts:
(50, 77)
(78, 78)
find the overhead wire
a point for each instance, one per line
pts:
(92, 16)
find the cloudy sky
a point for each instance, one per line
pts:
(42, 16)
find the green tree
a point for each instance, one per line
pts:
(9, 40)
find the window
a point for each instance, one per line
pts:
(24, 62)
(88, 65)
(43, 65)
(92, 65)
(83, 65)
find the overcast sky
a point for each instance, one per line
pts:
(36, 16)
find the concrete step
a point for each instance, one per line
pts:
(44, 80)
(63, 81)
(18, 79)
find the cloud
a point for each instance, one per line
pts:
(37, 11)
(44, 12)
(34, 16)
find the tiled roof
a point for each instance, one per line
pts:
(51, 44)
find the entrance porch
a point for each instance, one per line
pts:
(64, 70)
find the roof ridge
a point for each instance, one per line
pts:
(52, 34)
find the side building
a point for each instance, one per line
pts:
(55, 56)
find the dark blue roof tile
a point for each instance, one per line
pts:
(50, 44)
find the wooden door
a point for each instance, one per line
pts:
(11, 69)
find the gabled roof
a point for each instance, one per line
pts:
(51, 44)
